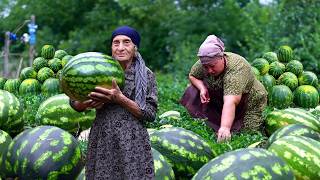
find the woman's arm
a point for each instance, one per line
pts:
(204, 94)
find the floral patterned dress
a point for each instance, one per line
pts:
(119, 146)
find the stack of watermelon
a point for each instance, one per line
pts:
(288, 84)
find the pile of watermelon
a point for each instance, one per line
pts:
(286, 81)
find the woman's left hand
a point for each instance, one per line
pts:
(104, 95)
(223, 134)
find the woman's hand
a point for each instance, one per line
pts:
(104, 95)
(204, 95)
(223, 134)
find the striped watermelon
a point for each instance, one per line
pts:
(10, 113)
(306, 96)
(285, 54)
(28, 73)
(55, 64)
(65, 60)
(276, 69)
(301, 154)
(162, 168)
(60, 54)
(262, 65)
(39, 63)
(56, 111)
(183, 149)
(45, 73)
(51, 87)
(12, 85)
(295, 67)
(29, 86)
(289, 79)
(250, 163)
(308, 78)
(256, 72)
(295, 130)
(5, 140)
(280, 96)
(86, 71)
(268, 81)
(44, 152)
(281, 118)
(270, 57)
(47, 51)
(2, 82)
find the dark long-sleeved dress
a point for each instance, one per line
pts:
(119, 146)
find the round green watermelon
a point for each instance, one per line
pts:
(285, 54)
(5, 140)
(262, 65)
(60, 54)
(300, 153)
(280, 96)
(47, 51)
(65, 60)
(29, 86)
(44, 152)
(268, 81)
(306, 96)
(295, 67)
(276, 69)
(56, 111)
(249, 163)
(12, 85)
(55, 64)
(28, 73)
(45, 73)
(308, 78)
(289, 79)
(270, 57)
(51, 87)
(256, 72)
(184, 150)
(39, 63)
(85, 71)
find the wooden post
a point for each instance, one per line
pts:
(6, 54)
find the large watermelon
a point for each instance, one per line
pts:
(162, 168)
(262, 65)
(85, 71)
(270, 57)
(183, 149)
(56, 111)
(51, 87)
(281, 118)
(44, 152)
(289, 79)
(268, 81)
(308, 78)
(276, 69)
(5, 140)
(250, 163)
(295, 67)
(285, 54)
(28, 73)
(47, 51)
(11, 113)
(280, 96)
(296, 130)
(301, 153)
(29, 86)
(306, 96)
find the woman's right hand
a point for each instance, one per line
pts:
(204, 95)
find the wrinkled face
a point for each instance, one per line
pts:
(216, 66)
(122, 48)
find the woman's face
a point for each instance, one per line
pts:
(216, 66)
(122, 48)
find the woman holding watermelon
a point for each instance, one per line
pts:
(224, 90)
(119, 146)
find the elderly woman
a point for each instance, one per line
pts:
(224, 90)
(119, 146)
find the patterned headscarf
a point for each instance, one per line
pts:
(210, 47)
(140, 67)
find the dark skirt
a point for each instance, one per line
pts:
(212, 110)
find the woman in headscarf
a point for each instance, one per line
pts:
(119, 146)
(224, 90)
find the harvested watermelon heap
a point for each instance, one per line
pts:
(36, 108)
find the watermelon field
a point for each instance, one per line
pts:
(42, 137)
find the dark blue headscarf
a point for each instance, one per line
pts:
(127, 31)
